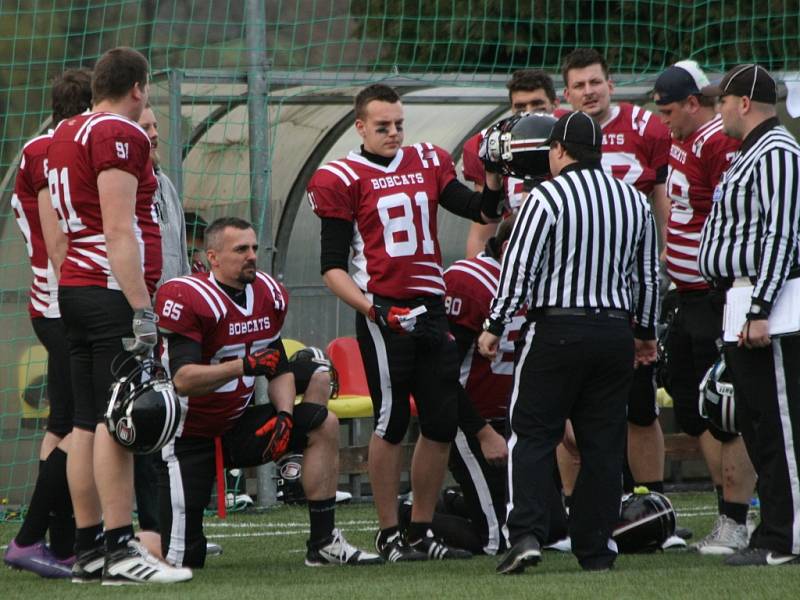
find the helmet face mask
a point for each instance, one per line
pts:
(717, 400)
(143, 416)
(517, 145)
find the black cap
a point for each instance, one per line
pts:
(678, 82)
(577, 128)
(752, 81)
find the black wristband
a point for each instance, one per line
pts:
(492, 202)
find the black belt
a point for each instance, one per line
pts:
(611, 313)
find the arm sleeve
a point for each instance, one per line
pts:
(779, 194)
(283, 363)
(472, 165)
(460, 200)
(182, 351)
(36, 168)
(647, 278)
(176, 311)
(335, 238)
(119, 146)
(465, 338)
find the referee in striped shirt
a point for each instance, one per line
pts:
(751, 238)
(583, 256)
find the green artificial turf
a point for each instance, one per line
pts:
(263, 558)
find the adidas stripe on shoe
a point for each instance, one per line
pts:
(133, 564)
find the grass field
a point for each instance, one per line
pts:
(263, 558)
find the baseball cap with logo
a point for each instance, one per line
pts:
(752, 81)
(577, 128)
(683, 79)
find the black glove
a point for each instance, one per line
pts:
(277, 430)
(145, 332)
(263, 362)
(389, 318)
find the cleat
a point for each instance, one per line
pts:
(525, 553)
(343, 497)
(726, 538)
(760, 557)
(133, 564)
(213, 549)
(684, 533)
(88, 567)
(37, 558)
(436, 549)
(395, 549)
(673, 542)
(338, 551)
(563, 545)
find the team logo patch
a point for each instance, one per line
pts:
(717, 196)
(126, 432)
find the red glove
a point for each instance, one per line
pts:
(278, 429)
(387, 318)
(263, 362)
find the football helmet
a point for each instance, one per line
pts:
(517, 145)
(144, 411)
(716, 400)
(647, 519)
(314, 355)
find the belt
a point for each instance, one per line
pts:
(611, 313)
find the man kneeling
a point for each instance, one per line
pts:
(221, 330)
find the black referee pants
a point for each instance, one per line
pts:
(767, 386)
(579, 368)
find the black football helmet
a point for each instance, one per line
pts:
(315, 355)
(517, 145)
(144, 411)
(646, 521)
(716, 401)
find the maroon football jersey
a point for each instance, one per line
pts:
(82, 147)
(635, 146)
(393, 210)
(696, 165)
(31, 179)
(471, 285)
(197, 308)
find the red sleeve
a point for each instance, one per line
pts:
(447, 168)
(719, 158)
(118, 145)
(659, 142)
(36, 168)
(177, 310)
(280, 315)
(330, 197)
(473, 166)
(464, 306)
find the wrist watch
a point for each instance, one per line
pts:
(493, 327)
(757, 313)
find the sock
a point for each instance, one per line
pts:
(62, 520)
(735, 511)
(385, 534)
(34, 527)
(417, 531)
(119, 537)
(653, 486)
(88, 538)
(720, 500)
(321, 514)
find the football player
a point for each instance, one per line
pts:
(529, 90)
(72, 94)
(221, 330)
(101, 182)
(382, 200)
(700, 154)
(635, 149)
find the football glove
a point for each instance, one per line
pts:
(392, 318)
(489, 150)
(263, 362)
(145, 333)
(277, 431)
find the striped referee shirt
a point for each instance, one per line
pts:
(582, 240)
(752, 230)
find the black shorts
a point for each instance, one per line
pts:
(96, 320)
(398, 365)
(303, 371)
(186, 481)
(642, 404)
(53, 335)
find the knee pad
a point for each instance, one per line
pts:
(438, 411)
(689, 420)
(642, 407)
(721, 436)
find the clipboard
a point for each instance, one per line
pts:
(784, 319)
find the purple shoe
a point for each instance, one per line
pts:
(39, 559)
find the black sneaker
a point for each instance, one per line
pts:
(761, 557)
(88, 567)
(338, 551)
(436, 549)
(525, 553)
(395, 549)
(134, 564)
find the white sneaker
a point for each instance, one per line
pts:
(134, 564)
(672, 542)
(563, 545)
(338, 551)
(343, 496)
(726, 537)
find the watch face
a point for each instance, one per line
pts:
(486, 324)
